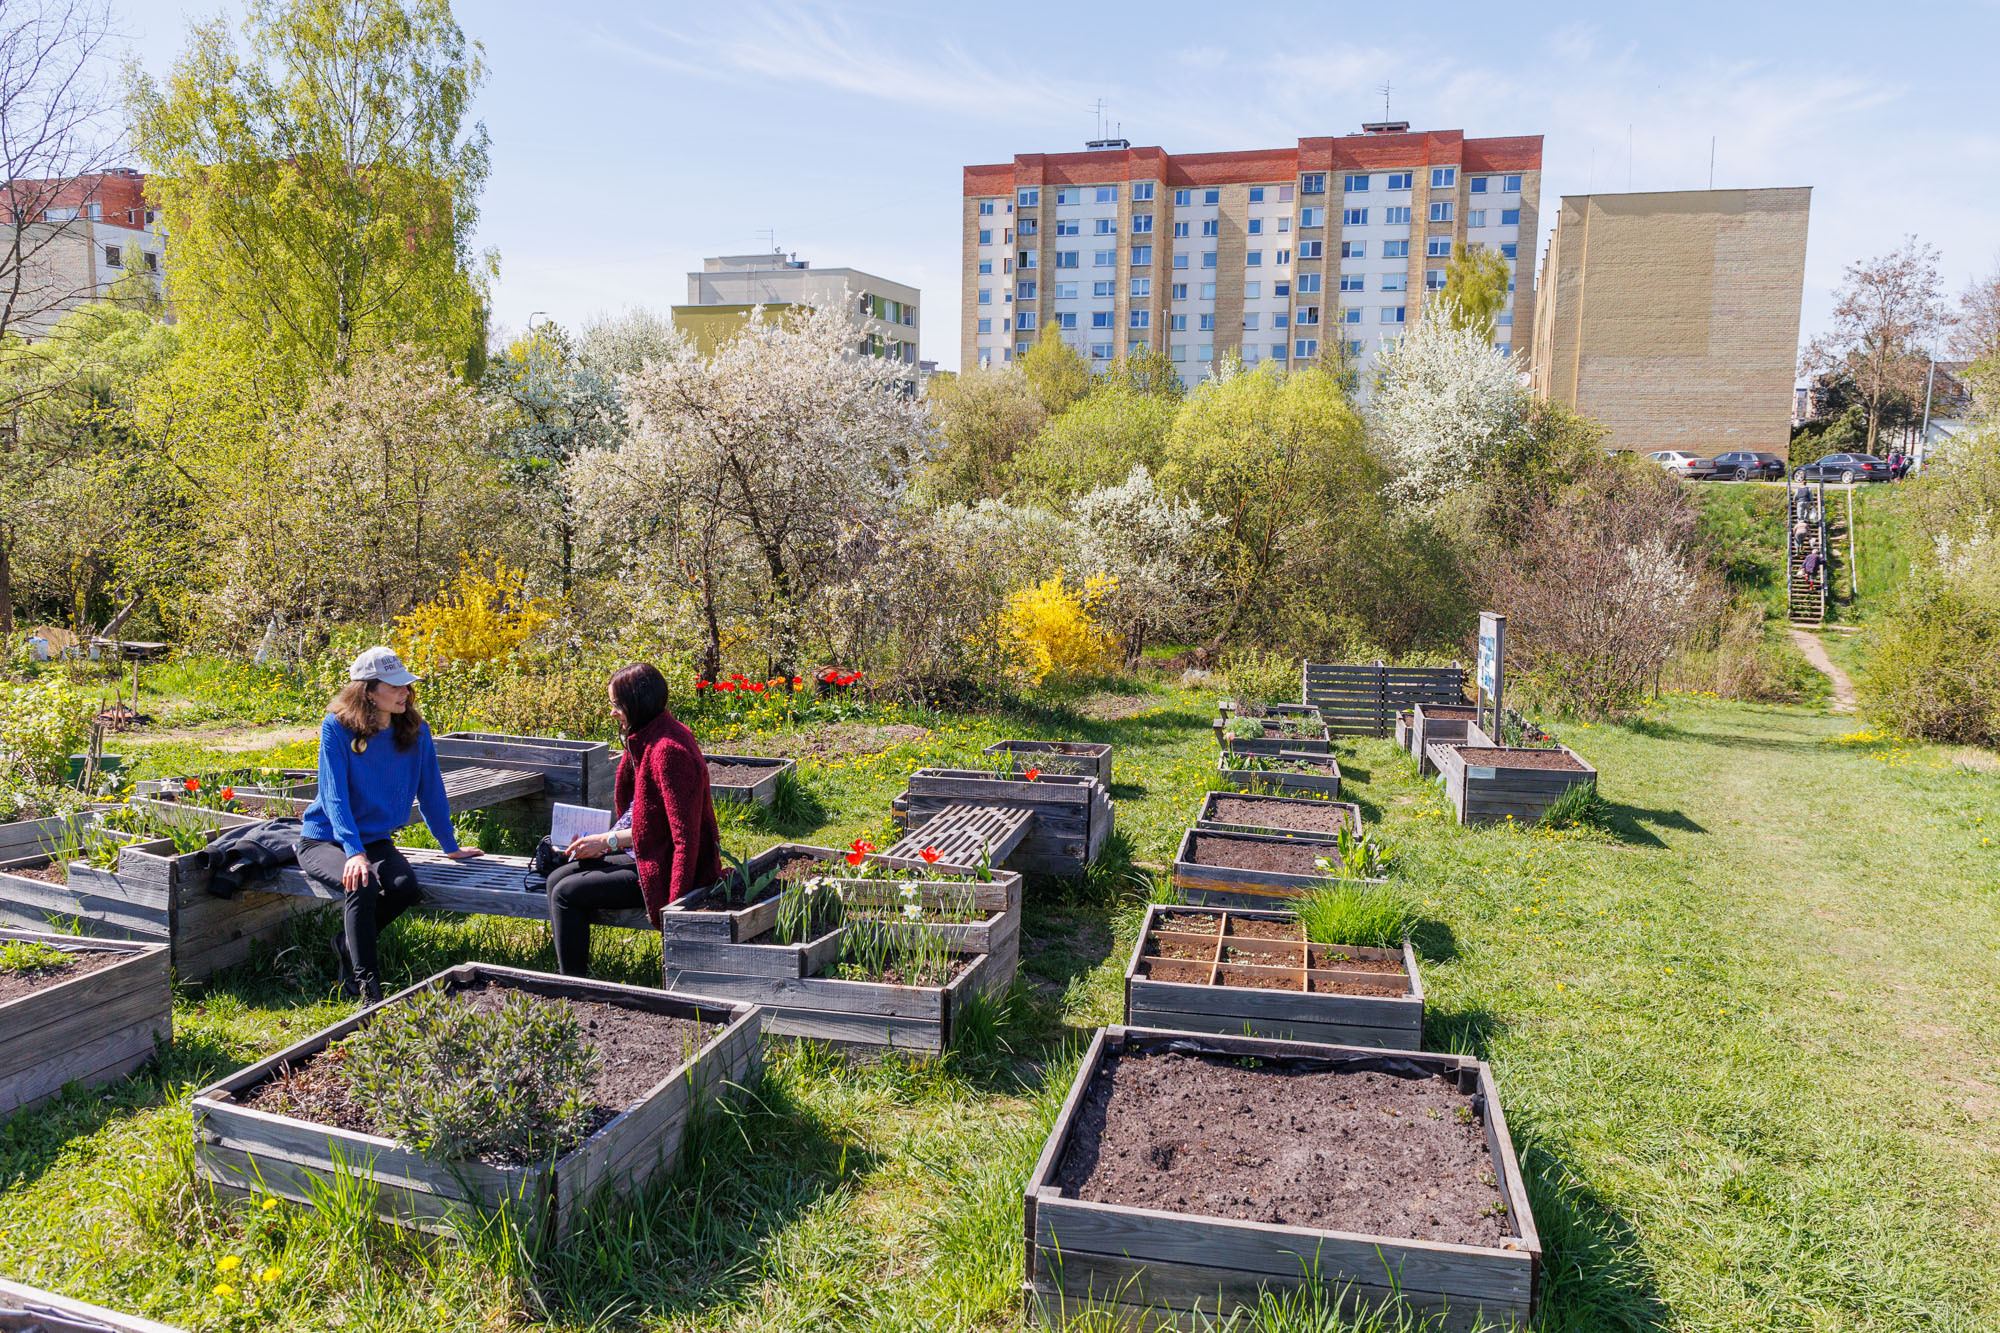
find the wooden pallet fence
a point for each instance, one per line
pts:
(1073, 815)
(85, 1029)
(1487, 793)
(1148, 1268)
(1090, 759)
(244, 1149)
(1273, 815)
(1357, 700)
(1225, 886)
(761, 792)
(573, 772)
(855, 1013)
(1300, 1014)
(1280, 782)
(32, 1310)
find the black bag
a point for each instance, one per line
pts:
(545, 861)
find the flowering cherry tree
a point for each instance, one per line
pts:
(1446, 401)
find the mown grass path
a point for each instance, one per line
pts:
(1746, 1039)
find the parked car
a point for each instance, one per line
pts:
(1684, 464)
(1846, 468)
(1744, 464)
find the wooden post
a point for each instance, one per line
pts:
(1853, 561)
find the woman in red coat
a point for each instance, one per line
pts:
(664, 841)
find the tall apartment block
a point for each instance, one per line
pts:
(1673, 317)
(881, 312)
(75, 238)
(1274, 253)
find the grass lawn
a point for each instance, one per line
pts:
(1746, 1042)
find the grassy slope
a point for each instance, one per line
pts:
(1746, 1044)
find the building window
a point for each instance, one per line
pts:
(1211, 226)
(1030, 258)
(1350, 314)
(1352, 249)
(1006, 326)
(1433, 279)
(1443, 178)
(1281, 320)
(1475, 217)
(986, 296)
(1181, 259)
(1208, 259)
(1100, 290)
(1029, 226)
(1025, 290)
(1437, 247)
(1256, 194)
(1135, 347)
(1278, 351)
(1100, 319)
(1395, 282)
(1510, 251)
(1393, 314)
(1207, 323)
(1510, 217)
(1068, 196)
(1313, 182)
(1141, 319)
(1250, 321)
(1066, 319)
(1069, 227)
(1180, 291)
(1353, 282)
(1441, 211)
(1284, 257)
(1211, 197)
(1205, 352)
(152, 262)
(1312, 217)
(1505, 349)
(1395, 249)
(1065, 291)
(1178, 323)
(1252, 290)
(1100, 351)
(1007, 265)
(986, 208)
(1354, 217)
(1103, 258)
(1308, 283)
(985, 268)
(1024, 320)
(986, 236)
(1307, 314)
(1022, 348)
(1355, 184)
(1178, 352)
(1182, 198)
(1104, 227)
(1256, 226)
(986, 326)
(1476, 184)
(1281, 289)
(1249, 354)
(1142, 256)
(1006, 355)
(1180, 229)
(1305, 347)
(1208, 291)
(1505, 317)
(1142, 286)
(1142, 192)
(1284, 194)
(985, 358)
(1107, 194)
(1400, 180)
(1511, 185)
(1066, 258)
(1253, 258)
(1142, 224)
(1029, 198)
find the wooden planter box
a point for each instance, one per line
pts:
(1273, 741)
(573, 772)
(87, 1029)
(1485, 793)
(34, 1311)
(1073, 814)
(1438, 724)
(1406, 731)
(1090, 759)
(1223, 886)
(699, 916)
(1276, 815)
(855, 1013)
(30, 839)
(1279, 783)
(1291, 1015)
(761, 792)
(997, 933)
(1147, 1268)
(241, 1148)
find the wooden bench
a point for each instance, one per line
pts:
(963, 834)
(487, 885)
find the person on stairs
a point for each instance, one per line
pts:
(367, 781)
(663, 841)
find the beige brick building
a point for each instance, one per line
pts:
(1277, 255)
(1673, 318)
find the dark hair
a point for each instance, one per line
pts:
(640, 691)
(353, 709)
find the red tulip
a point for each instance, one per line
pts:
(797, 681)
(862, 845)
(855, 858)
(930, 855)
(192, 784)
(229, 793)
(1032, 774)
(757, 687)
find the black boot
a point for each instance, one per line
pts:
(344, 967)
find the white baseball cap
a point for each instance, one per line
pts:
(379, 663)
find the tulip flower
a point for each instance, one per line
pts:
(856, 857)
(1032, 774)
(930, 855)
(229, 793)
(192, 784)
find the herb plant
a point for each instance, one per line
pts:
(25, 957)
(1360, 857)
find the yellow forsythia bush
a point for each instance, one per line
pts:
(480, 616)
(1055, 632)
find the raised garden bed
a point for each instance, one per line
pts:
(1090, 759)
(1433, 724)
(90, 1018)
(1294, 727)
(1249, 869)
(1212, 970)
(573, 772)
(1491, 784)
(746, 777)
(645, 1097)
(31, 839)
(1287, 773)
(31, 1310)
(1073, 815)
(1309, 816)
(1143, 1212)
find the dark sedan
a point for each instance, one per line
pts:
(1846, 468)
(1746, 466)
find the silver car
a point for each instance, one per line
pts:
(1684, 464)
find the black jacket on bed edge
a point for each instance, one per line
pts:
(247, 853)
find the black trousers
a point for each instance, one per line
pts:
(580, 889)
(368, 910)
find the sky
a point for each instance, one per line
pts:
(630, 140)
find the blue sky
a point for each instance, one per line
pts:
(630, 140)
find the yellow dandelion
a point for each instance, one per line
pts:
(271, 1274)
(224, 1290)
(270, 1202)
(228, 1263)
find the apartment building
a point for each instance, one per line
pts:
(78, 238)
(1672, 317)
(1287, 255)
(882, 312)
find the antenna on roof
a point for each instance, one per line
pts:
(769, 235)
(1098, 111)
(1385, 90)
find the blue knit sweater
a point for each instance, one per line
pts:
(366, 797)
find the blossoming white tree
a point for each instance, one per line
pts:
(1446, 401)
(1153, 546)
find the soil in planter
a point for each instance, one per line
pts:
(1332, 955)
(1270, 764)
(1190, 923)
(1512, 758)
(1263, 955)
(46, 873)
(1265, 930)
(737, 775)
(1286, 858)
(1318, 817)
(1357, 1152)
(1324, 985)
(793, 869)
(14, 985)
(1164, 948)
(893, 977)
(1449, 711)
(1244, 979)
(1186, 974)
(635, 1049)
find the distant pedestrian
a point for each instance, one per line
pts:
(1813, 564)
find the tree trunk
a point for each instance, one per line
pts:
(6, 587)
(117, 622)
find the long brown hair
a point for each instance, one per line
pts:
(353, 709)
(641, 693)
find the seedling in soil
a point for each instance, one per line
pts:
(29, 956)
(1360, 857)
(806, 911)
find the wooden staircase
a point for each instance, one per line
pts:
(1806, 533)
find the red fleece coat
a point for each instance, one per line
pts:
(663, 781)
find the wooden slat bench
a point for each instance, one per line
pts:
(963, 834)
(488, 885)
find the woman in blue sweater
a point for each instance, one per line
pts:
(366, 783)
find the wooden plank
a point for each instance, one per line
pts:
(1044, 1174)
(761, 792)
(1088, 758)
(32, 1310)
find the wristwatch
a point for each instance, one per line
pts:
(611, 840)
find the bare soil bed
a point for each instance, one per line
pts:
(635, 1051)
(833, 741)
(47, 874)
(1452, 711)
(1353, 1151)
(13, 985)
(1241, 854)
(735, 775)
(1497, 757)
(1249, 810)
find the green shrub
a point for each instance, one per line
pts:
(1934, 667)
(573, 704)
(41, 725)
(1254, 674)
(21, 799)
(1347, 912)
(457, 1083)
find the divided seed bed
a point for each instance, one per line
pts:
(1090, 759)
(746, 777)
(76, 1010)
(289, 1124)
(1220, 812)
(1375, 1175)
(1244, 971)
(1288, 773)
(1250, 869)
